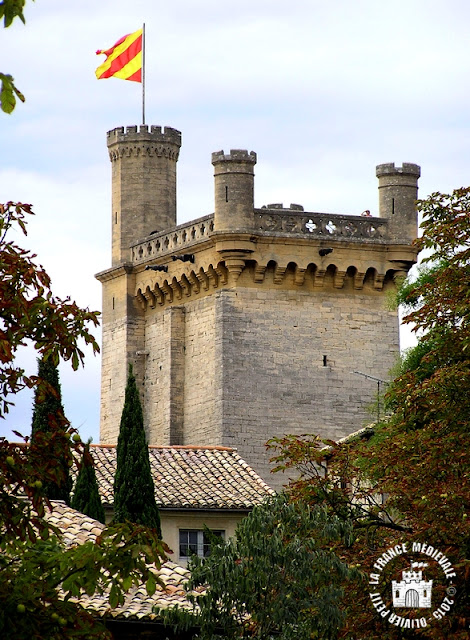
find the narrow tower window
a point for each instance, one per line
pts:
(325, 361)
(226, 194)
(115, 218)
(393, 206)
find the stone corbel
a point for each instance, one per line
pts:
(142, 302)
(379, 281)
(235, 266)
(168, 291)
(279, 273)
(222, 273)
(203, 279)
(194, 282)
(150, 298)
(185, 285)
(213, 277)
(359, 279)
(159, 294)
(260, 271)
(339, 279)
(318, 278)
(299, 276)
(178, 290)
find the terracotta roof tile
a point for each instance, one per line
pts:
(190, 477)
(78, 528)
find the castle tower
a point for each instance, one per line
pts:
(398, 191)
(254, 322)
(234, 190)
(143, 203)
(143, 184)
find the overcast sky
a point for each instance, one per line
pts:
(322, 91)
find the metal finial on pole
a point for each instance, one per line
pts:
(143, 73)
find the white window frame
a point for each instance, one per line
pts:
(200, 541)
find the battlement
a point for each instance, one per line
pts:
(137, 134)
(412, 576)
(389, 168)
(235, 155)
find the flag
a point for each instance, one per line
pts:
(123, 59)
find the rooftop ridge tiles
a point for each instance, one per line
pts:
(179, 447)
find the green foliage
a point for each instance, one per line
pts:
(134, 492)
(31, 314)
(9, 93)
(407, 478)
(38, 575)
(86, 497)
(36, 569)
(9, 10)
(277, 578)
(48, 418)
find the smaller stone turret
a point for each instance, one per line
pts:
(398, 190)
(234, 190)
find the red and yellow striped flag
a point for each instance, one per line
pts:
(123, 59)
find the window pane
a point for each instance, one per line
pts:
(195, 541)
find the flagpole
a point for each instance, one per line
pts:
(143, 73)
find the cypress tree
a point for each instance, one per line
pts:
(134, 493)
(86, 497)
(49, 437)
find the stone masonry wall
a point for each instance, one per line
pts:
(181, 384)
(274, 378)
(242, 365)
(122, 338)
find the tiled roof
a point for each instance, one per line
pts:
(188, 477)
(78, 528)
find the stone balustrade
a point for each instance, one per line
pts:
(181, 237)
(321, 225)
(314, 225)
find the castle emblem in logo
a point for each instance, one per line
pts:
(412, 591)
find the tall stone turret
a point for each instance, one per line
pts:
(398, 190)
(143, 184)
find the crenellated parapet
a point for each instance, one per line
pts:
(158, 141)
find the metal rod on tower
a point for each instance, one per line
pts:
(143, 73)
(378, 380)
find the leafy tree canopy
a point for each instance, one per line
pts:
(31, 315)
(278, 578)
(407, 478)
(38, 576)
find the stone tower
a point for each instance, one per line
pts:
(250, 322)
